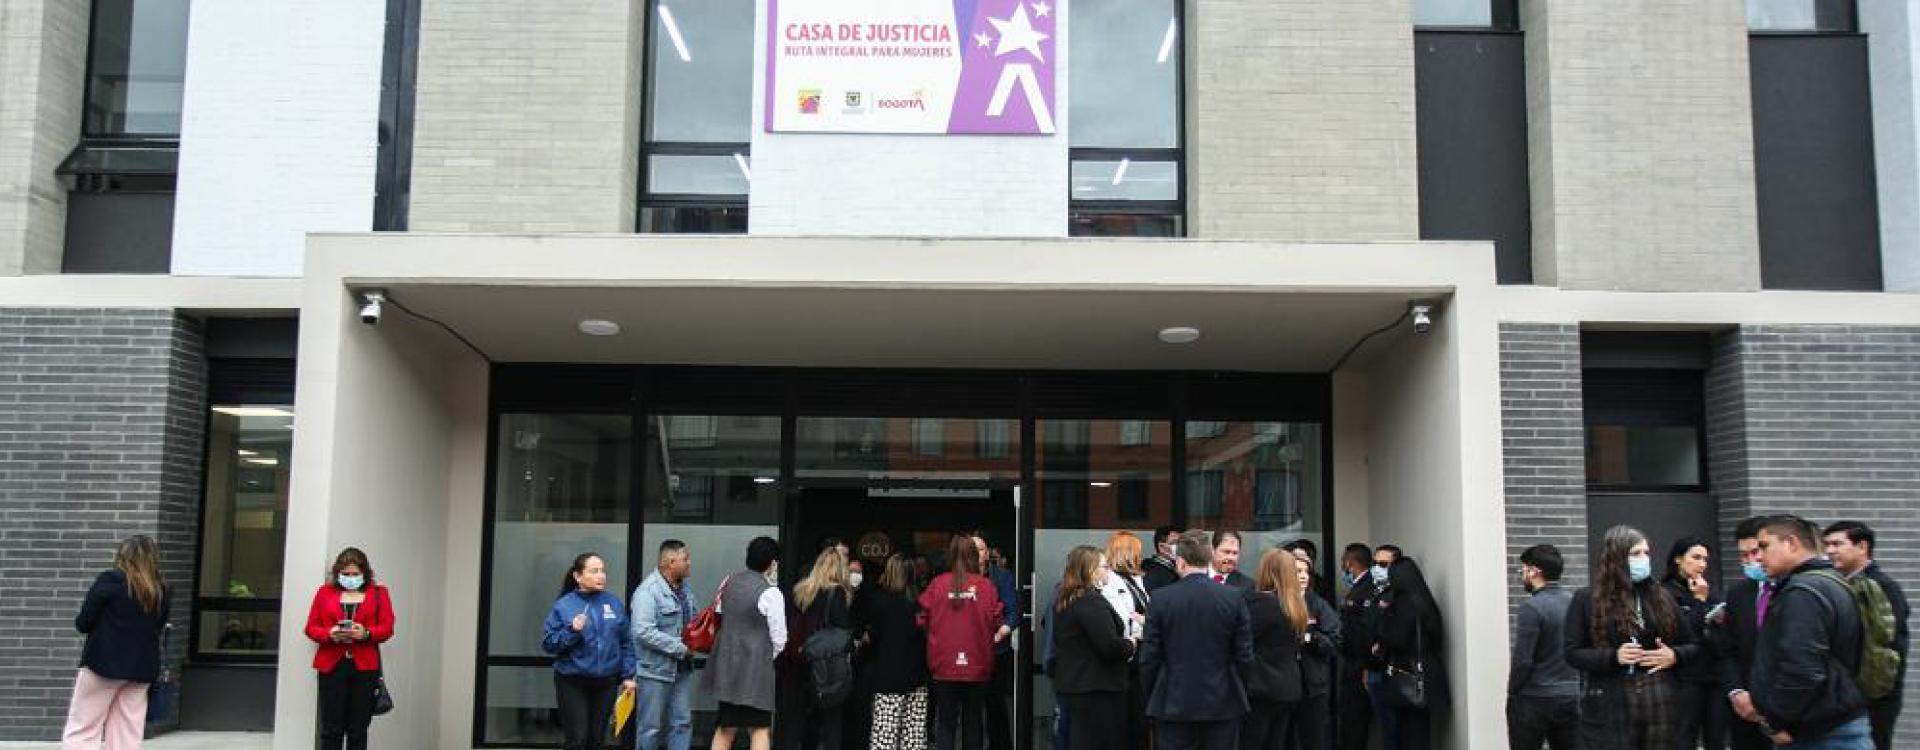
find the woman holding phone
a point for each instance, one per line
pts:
(350, 617)
(592, 654)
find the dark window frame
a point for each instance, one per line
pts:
(253, 381)
(1672, 403)
(650, 148)
(1177, 208)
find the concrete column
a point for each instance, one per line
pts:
(43, 48)
(1300, 120)
(1640, 134)
(1892, 37)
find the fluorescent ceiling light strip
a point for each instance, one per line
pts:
(1166, 43)
(253, 411)
(740, 161)
(680, 45)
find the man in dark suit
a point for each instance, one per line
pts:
(1159, 570)
(1850, 544)
(1735, 631)
(1195, 655)
(1354, 709)
(1225, 569)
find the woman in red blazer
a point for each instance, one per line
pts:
(350, 617)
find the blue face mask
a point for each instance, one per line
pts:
(1641, 568)
(1379, 573)
(1754, 571)
(351, 583)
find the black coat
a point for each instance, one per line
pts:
(1275, 676)
(123, 640)
(1603, 705)
(1702, 671)
(1355, 623)
(1734, 637)
(1322, 650)
(1090, 649)
(1197, 650)
(1407, 635)
(895, 657)
(1808, 650)
(1157, 573)
(1239, 580)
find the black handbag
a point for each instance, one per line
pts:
(164, 693)
(1406, 686)
(382, 698)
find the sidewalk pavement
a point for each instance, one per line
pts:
(177, 741)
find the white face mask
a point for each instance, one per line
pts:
(854, 579)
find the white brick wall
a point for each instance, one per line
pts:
(42, 65)
(279, 131)
(1641, 145)
(893, 185)
(526, 116)
(1301, 120)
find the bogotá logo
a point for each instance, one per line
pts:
(809, 101)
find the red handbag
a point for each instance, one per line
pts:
(705, 626)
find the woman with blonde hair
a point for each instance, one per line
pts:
(1277, 610)
(122, 617)
(1126, 590)
(824, 597)
(1091, 650)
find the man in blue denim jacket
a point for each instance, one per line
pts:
(662, 607)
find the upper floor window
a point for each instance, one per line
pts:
(696, 161)
(136, 68)
(1127, 146)
(1828, 16)
(1467, 14)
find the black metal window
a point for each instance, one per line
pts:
(696, 164)
(1646, 430)
(1803, 16)
(1503, 15)
(1128, 172)
(243, 517)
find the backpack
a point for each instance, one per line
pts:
(829, 653)
(1878, 673)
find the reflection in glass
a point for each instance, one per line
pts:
(137, 67)
(702, 71)
(1468, 13)
(1262, 479)
(704, 174)
(1645, 456)
(521, 706)
(1125, 67)
(1123, 224)
(907, 451)
(244, 526)
(233, 633)
(716, 219)
(1800, 15)
(1127, 180)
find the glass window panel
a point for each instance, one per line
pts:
(684, 174)
(1800, 15)
(1092, 483)
(1126, 180)
(233, 633)
(693, 219)
(993, 438)
(148, 159)
(1125, 75)
(137, 67)
(908, 453)
(702, 68)
(929, 436)
(244, 520)
(1473, 13)
(564, 487)
(1262, 479)
(521, 706)
(1619, 455)
(1123, 224)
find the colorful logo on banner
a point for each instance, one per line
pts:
(911, 66)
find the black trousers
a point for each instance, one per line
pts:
(824, 727)
(1745, 735)
(1705, 725)
(346, 707)
(1139, 732)
(586, 703)
(999, 704)
(1415, 728)
(1313, 725)
(958, 707)
(1355, 709)
(1105, 734)
(1268, 726)
(1193, 735)
(1532, 722)
(1884, 713)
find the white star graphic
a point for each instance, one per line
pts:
(983, 40)
(1040, 10)
(1016, 33)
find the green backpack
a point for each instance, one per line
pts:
(1879, 671)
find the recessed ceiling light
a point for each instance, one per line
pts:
(1101, 484)
(764, 480)
(598, 327)
(1180, 335)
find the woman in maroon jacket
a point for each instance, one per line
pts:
(960, 611)
(351, 615)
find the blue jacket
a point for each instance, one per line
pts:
(603, 649)
(658, 620)
(1009, 592)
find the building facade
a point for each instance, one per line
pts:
(1665, 258)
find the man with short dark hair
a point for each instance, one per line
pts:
(1803, 691)
(662, 608)
(1735, 630)
(1543, 691)
(1159, 569)
(1195, 655)
(1354, 709)
(1226, 562)
(1850, 544)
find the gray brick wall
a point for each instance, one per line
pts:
(1543, 441)
(1822, 421)
(101, 421)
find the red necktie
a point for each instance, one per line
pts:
(1219, 578)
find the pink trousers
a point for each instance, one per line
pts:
(109, 714)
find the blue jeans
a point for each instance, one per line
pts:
(1853, 735)
(664, 711)
(1382, 714)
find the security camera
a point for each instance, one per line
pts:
(1422, 314)
(370, 302)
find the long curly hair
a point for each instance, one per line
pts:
(1614, 592)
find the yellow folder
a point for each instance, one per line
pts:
(622, 710)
